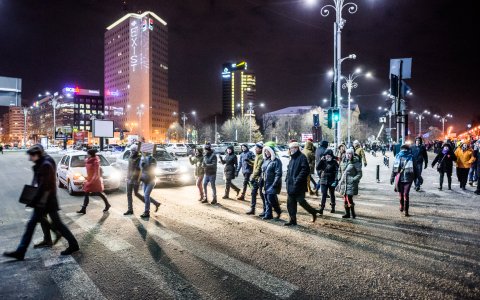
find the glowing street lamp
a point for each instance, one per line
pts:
(420, 117)
(443, 119)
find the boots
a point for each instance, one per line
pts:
(333, 209)
(347, 212)
(449, 183)
(291, 223)
(227, 193)
(82, 210)
(242, 197)
(352, 209)
(401, 204)
(406, 208)
(251, 211)
(278, 211)
(214, 200)
(320, 212)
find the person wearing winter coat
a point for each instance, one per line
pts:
(444, 161)
(320, 151)
(210, 168)
(360, 152)
(257, 181)
(44, 202)
(420, 161)
(199, 172)
(93, 185)
(348, 180)
(340, 153)
(296, 182)
(403, 174)
(476, 154)
(328, 173)
(272, 178)
(308, 151)
(245, 165)
(465, 159)
(472, 173)
(230, 161)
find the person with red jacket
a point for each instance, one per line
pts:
(93, 185)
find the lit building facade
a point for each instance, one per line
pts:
(136, 76)
(10, 91)
(13, 125)
(238, 88)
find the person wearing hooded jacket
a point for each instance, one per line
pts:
(257, 181)
(93, 185)
(199, 172)
(360, 152)
(210, 168)
(320, 152)
(44, 202)
(309, 152)
(465, 159)
(245, 165)
(445, 159)
(328, 173)
(420, 161)
(348, 180)
(403, 174)
(272, 179)
(230, 161)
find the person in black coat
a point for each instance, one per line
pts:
(246, 166)
(230, 161)
(210, 169)
(44, 201)
(476, 154)
(328, 173)
(297, 176)
(272, 179)
(420, 161)
(445, 159)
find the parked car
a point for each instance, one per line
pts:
(169, 169)
(177, 149)
(71, 173)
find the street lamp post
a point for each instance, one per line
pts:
(184, 118)
(349, 85)
(338, 6)
(389, 114)
(420, 116)
(443, 120)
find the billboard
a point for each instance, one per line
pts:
(10, 91)
(103, 128)
(63, 132)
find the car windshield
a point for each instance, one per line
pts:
(179, 145)
(78, 161)
(162, 156)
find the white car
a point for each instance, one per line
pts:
(71, 173)
(177, 149)
(169, 169)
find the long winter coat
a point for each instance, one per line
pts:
(309, 152)
(297, 174)
(94, 183)
(349, 176)
(328, 171)
(445, 162)
(45, 180)
(464, 158)
(230, 161)
(272, 173)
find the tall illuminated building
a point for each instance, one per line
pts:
(136, 76)
(238, 88)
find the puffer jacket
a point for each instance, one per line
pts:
(257, 167)
(309, 152)
(197, 161)
(403, 164)
(349, 176)
(230, 161)
(297, 174)
(328, 171)
(464, 158)
(272, 173)
(246, 161)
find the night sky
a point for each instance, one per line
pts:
(54, 43)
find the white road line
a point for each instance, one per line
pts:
(360, 204)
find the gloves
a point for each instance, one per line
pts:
(391, 180)
(365, 165)
(334, 184)
(426, 165)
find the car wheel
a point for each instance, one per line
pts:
(59, 183)
(70, 188)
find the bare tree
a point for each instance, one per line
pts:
(238, 129)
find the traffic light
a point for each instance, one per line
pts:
(330, 118)
(316, 120)
(336, 115)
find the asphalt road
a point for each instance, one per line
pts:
(190, 250)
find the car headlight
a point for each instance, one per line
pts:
(183, 169)
(78, 177)
(115, 175)
(158, 171)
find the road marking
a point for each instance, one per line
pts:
(369, 204)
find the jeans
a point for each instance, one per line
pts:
(246, 180)
(147, 190)
(472, 174)
(256, 187)
(328, 188)
(210, 179)
(199, 184)
(418, 178)
(132, 188)
(404, 193)
(271, 202)
(56, 221)
(292, 201)
(462, 174)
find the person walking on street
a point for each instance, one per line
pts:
(472, 173)
(296, 182)
(476, 154)
(360, 152)
(445, 159)
(328, 174)
(403, 174)
(197, 161)
(210, 168)
(44, 202)
(93, 185)
(230, 161)
(420, 161)
(309, 152)
(1, 149)
(257, 180)
(465, 159)
(272, 178)
(148, 164)
(348, 180)
(320, 151)
(246, 166)
(340, 153)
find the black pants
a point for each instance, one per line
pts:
(292, 201)
(46, 227)
(462, 174)
(229, 184)
(37, 215)
(246, 180)
(86, 200)
(132, 188)
(449, 179)
(257, 187)
(327, 188)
